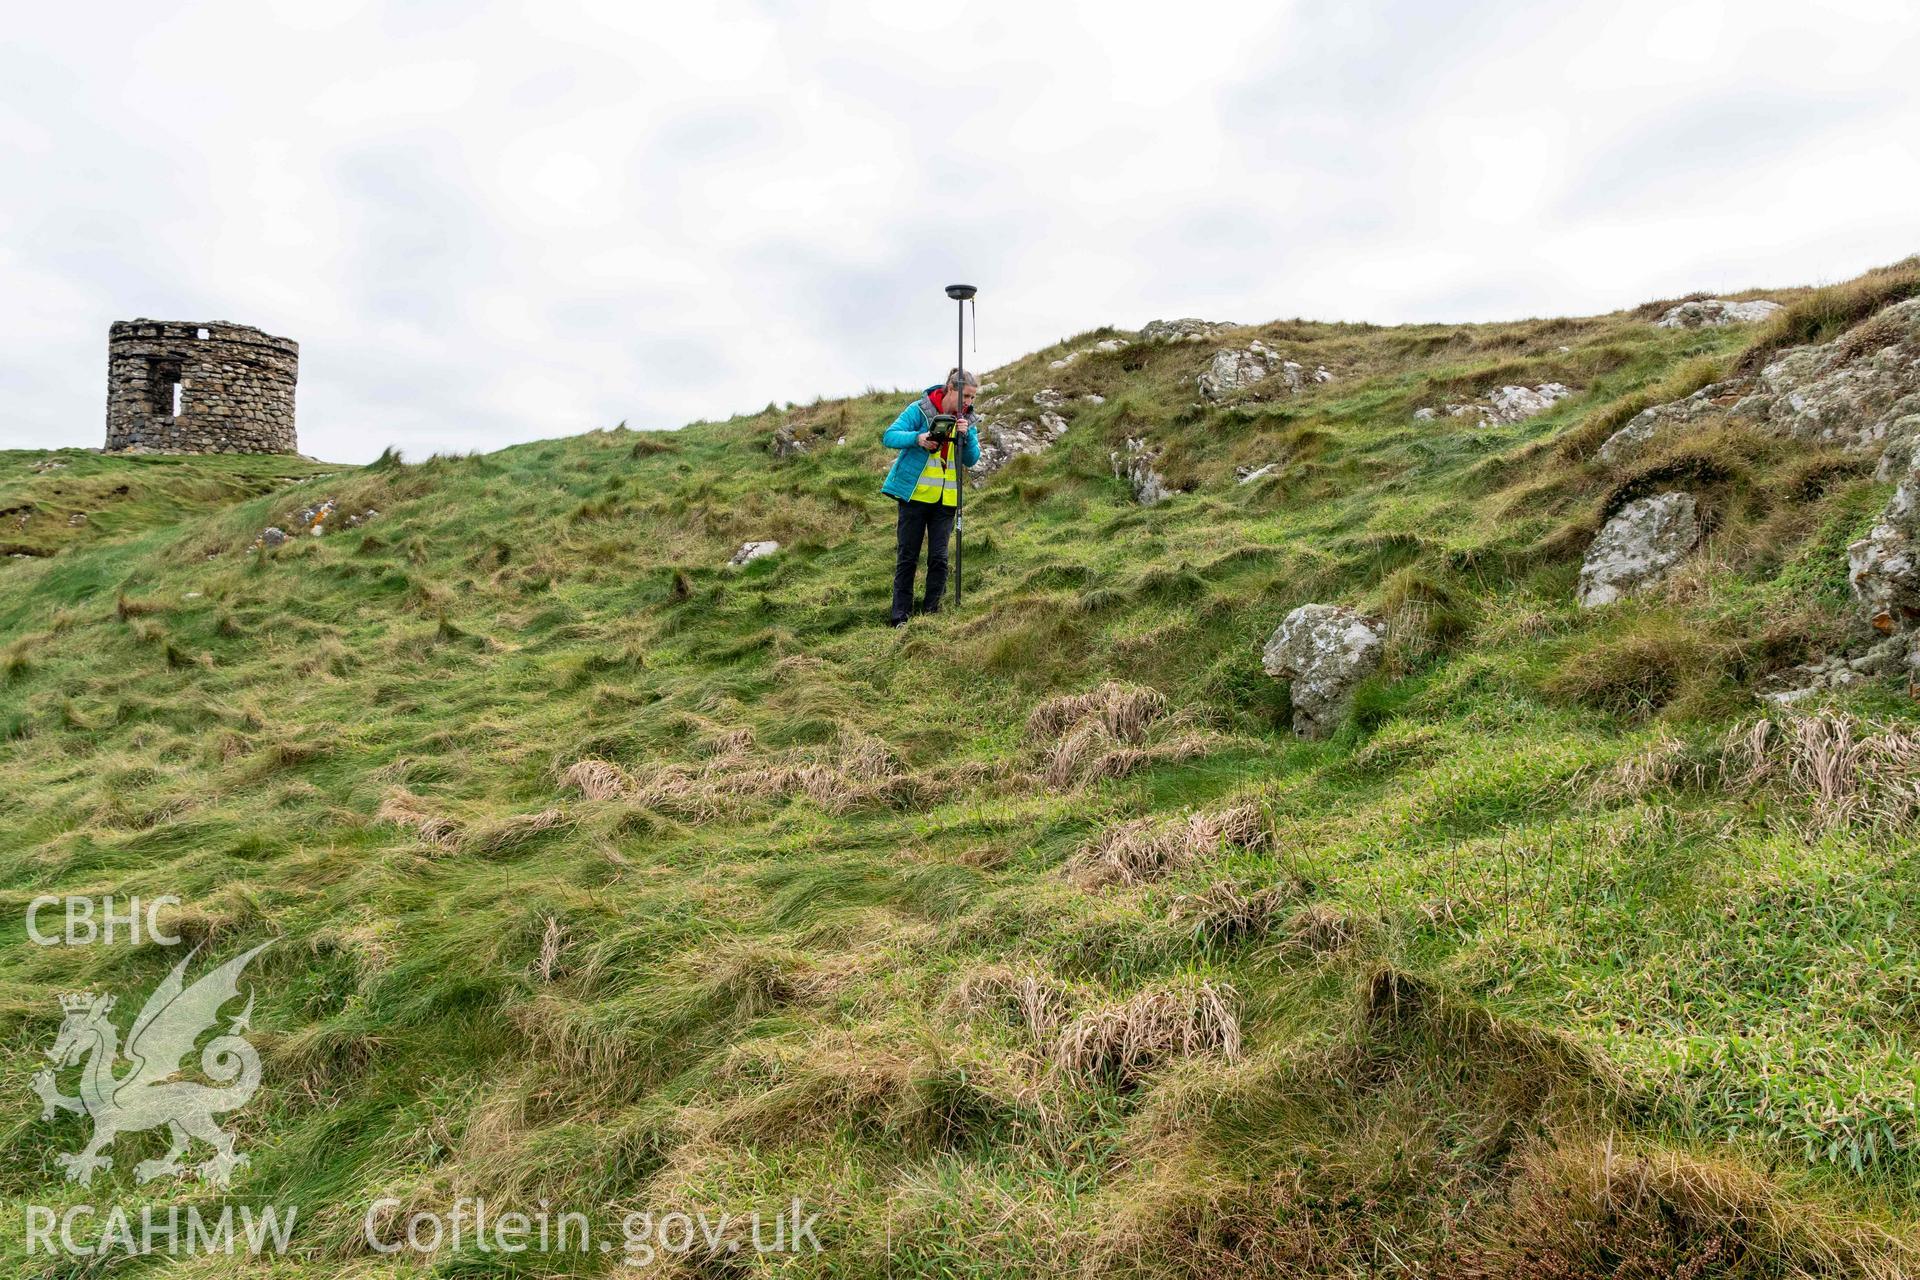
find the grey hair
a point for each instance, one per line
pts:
(955, 375)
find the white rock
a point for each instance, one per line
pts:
(1134, 464)
(1883, 568)
(1237, 369)
(1325, 650)
(1517, 404)
(1048, 398)
(1001, 442)
(1248, 475)
(1638, 547)
(753, 551)
(1711, 313)
(1502, 405)
(1091, 398)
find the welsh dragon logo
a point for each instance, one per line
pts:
(146, 1095)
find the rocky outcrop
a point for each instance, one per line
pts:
(1638, 547)
(1134, 464)
(1667, 420)
(786, 442)
(1001, 442)
(1235, 370)
(1048, 398)
(1517, 404)
(1187, 329)
(1325, 650)
(1883, 568)
(1711, 313)
(1837, 671)
(1503, 405)
(1860, 392)
(1106, 346)
(753, 551)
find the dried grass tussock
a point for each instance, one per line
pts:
(856, 770)
(596, 779)
(1031, 999)
(1110, 732)
(1225, 912)
(1124, 1043)
(403, 808)
(1851, 772)
(1125, 712)
(1147, 850)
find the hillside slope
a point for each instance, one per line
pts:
(1026, 938)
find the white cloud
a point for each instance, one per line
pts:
(493, 223)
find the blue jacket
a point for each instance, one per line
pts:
(904, 435)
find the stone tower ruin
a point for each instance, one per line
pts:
(212, 387)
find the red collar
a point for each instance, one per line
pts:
(938, 398)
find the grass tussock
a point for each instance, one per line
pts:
(1595, 1208)
(1124, 711)
(1225, 913)
(511, 832)
(402, 808)
(1847, 772)
(1024, 996)
(596, 779)
(1124, 1043)
(1146, 850)
(1851, 773)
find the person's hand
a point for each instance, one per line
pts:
(926, 441)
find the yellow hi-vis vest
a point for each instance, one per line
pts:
(939, 479)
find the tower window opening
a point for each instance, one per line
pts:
(166, 389)
(202, 334)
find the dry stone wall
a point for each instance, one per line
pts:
(185, 387)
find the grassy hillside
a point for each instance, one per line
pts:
(1025, 939)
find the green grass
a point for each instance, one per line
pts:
(1520, 991)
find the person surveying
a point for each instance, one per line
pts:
(925, 482)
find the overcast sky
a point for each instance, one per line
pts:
(492, 223)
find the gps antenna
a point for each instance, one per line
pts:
(961, 294)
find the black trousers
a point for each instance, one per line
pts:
(931, 522)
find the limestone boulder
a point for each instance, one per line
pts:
(1235, 370)
(750, 551)
(1325, 650)
(786, 442)
(1002, 441)
(1501, 406)
(1638, 547)
(1517, 404)
(1883, 568)
(1134, 463)
(1712, 313)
